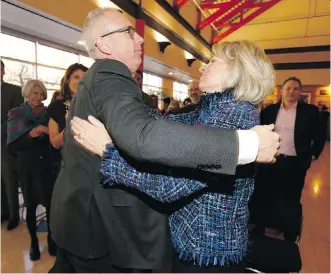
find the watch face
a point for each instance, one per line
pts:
(67, 104)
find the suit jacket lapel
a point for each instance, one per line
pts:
(275, 112)
(299, 119)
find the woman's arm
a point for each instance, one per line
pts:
(189, 118)
(164, 188)
(55, 136)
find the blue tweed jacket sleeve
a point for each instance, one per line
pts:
(164, 188)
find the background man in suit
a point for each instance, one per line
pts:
(102, 229)
(146, 98)
(11, 97)
(302, 140)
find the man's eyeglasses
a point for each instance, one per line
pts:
(193, 89)
(129, 29)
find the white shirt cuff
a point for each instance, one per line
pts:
(248, 146)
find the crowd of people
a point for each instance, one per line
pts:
(129, 187)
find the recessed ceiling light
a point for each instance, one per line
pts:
(81, 42)
(170, 73)
(190, 80)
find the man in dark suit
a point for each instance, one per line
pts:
(147, 99)
(11, 97)
(302, 141)
(101, 229)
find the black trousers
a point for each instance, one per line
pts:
(286, 177)
(180, 266)
(9, 184)
(66, 262)
(278, 191)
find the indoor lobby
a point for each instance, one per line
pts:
(40, 40)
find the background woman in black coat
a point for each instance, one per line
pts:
(28, 137)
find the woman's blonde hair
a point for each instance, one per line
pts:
(249, 70)
(29, 85)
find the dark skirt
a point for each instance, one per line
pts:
(37, 185)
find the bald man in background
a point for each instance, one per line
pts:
(194, 93)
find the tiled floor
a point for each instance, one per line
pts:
(314, 245)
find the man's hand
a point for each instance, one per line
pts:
(269, 143)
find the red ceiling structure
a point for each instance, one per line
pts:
(226, 16)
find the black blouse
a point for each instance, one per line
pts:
(57, 111)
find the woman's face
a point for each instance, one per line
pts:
(212, 75)
(59, 97)
(74, 79)
(35, 98)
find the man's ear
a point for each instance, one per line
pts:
(103, 47)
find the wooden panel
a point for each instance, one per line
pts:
(300, 57)
(322, 7)
(273, 30)
(206, 33)
(295, 42)
(318, 26)
(320, 77)
(284, 10)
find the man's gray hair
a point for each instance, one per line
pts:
(95, 25)
(29, 85)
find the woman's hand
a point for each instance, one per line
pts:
(42, 129)
(34, 133)
(91, 134)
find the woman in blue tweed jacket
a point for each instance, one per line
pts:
(209, 231)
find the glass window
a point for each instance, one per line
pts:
(18, 73)
(49, 96)
(86, 61)
(180, 91)
(54, 57)
(51, 77)
(152, 84)
(18, 48)
(152, 80)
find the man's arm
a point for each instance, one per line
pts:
(142, 137)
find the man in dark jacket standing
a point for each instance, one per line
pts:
(279, 186)
(11, 97)
(116, 229)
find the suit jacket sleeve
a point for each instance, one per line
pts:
(118, 101)
(319, 134)
(18, 98)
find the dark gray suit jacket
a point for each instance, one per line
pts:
(11, 97)
(91, 221)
